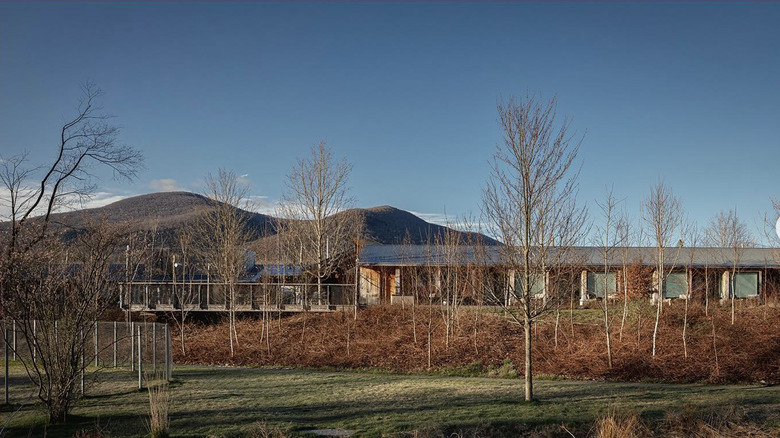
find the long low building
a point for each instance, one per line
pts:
(400, 273)
(437, 274)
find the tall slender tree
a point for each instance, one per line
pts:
(608, 238)
(316, 227)
(223, 237)
(529, 202)
(727, 231)
(663, 215)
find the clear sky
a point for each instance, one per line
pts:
(687, 92)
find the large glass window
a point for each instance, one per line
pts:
(597, 281)
(537, 286)
(675, 285)
(744, 283)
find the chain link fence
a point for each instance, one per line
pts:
(141, 348)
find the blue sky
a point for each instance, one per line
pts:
(686, 92)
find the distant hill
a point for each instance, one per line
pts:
(169, 212)
(390, 225)
(166, 212)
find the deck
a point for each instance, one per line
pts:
(246, 297)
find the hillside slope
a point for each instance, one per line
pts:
(169, 212)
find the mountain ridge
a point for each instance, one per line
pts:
(168, 212)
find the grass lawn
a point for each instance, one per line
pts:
(228, 401)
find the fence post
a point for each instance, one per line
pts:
(14, 340)
(132, 346)
(140, 362)
(35, 342)
(114, 344)
(83, 342)
(154, 349)
(5, 356)
(170, 354)
(97, 352)
(167, 353)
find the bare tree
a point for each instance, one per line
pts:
(726, 231)
(529, 203)
(316, 190)
(452, 251)
(63, 291)
(693, 238)
(139, 259)
(183, 292)
(608, 238)
(223, 237)
(36, 282)
(663, 215)
(771, 232)
(87, 140)
(624, 234)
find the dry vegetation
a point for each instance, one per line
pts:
(382, 338)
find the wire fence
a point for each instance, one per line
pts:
(141, 348)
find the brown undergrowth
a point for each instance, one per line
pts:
(384, 338)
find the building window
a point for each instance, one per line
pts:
(537, 285)
(676, 285)
(597, 281)
(745, 285)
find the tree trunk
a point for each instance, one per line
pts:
(655, 328)
(625, 302)
(58, 411)
(529, 379)
(183, 351)
(685, 327)
(733, 294)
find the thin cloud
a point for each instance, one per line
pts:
(101, 199)
(165, 185)
(434, 218)
(460, 224)
(65, 203)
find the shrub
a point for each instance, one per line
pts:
(159, 401)
(262, 429)
(505, 371)
(473, 369)
(620, 425)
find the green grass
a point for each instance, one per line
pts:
(228, 401)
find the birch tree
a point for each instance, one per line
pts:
(624, 234)
(726, 231)
(529, 202)
(663, 216)
(608, 238)
(184, 293)
(693, 239)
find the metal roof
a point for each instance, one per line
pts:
(440, 255)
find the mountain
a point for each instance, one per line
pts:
(390, 225)
(165, 212)
(168, 212)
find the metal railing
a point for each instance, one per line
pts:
(167, 296)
